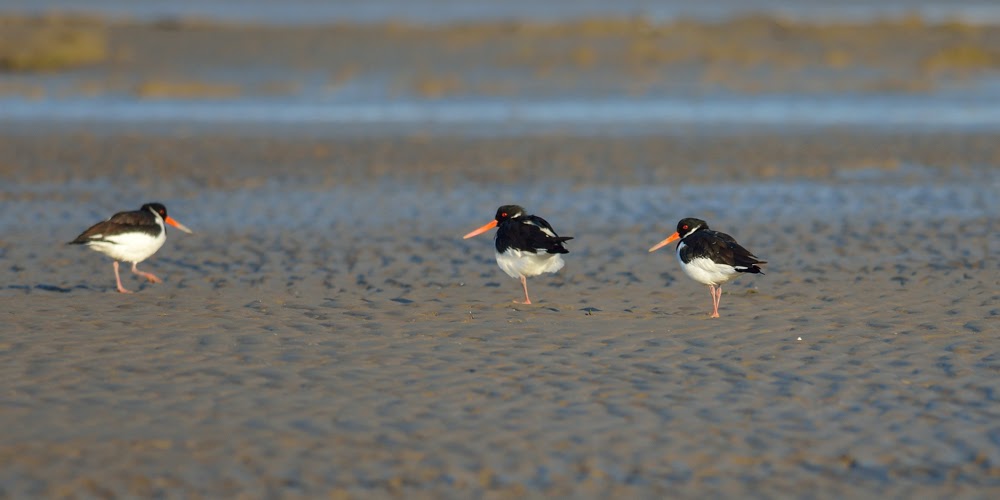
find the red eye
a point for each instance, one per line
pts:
(503, 214)
(685, 226)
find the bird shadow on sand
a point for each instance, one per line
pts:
(47, 288)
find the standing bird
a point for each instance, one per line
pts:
(710, 257)
(130, 237)
(526, 245)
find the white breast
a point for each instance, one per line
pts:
(705, 270)
(130, 247)
(517, 263)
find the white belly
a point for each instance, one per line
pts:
(517, 263)
(704, 270)
(130, 247)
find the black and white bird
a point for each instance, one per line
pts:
(710, 257)
(130, 237)
(526, 245)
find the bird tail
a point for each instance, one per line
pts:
(555, 245)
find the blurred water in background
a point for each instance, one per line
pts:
(489, 116)
(975, 105)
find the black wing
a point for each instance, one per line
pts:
(121, 222)
(740, 258)
(530, 233)
(721, 248)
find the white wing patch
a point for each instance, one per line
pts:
(544, 229)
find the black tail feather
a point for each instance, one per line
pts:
(555, 244)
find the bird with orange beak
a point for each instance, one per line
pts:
(130, 237)
(710, 257)
(525, 245)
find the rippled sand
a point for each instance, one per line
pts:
(327, 332)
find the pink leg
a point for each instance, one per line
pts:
(716, 298)
(118, 278)
(150, 276)
(524, 284)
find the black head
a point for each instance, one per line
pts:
(508, 212)
(156, 208)
(689, 225)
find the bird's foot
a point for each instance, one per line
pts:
(149, 276)
(122, 289)
(152, 278)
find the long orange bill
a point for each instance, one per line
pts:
(178, 225)
(492, 224)
(665, 242)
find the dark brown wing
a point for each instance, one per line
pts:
(121, 222)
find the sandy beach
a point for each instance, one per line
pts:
(294, 350)
(326, 332)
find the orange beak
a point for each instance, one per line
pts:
(176, 224)
(492, 224)
(672, 237)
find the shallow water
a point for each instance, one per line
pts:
(931, 111)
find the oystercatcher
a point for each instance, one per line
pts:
(130, 237)
(710, 257)
(526, 245)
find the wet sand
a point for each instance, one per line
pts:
(327, 332)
